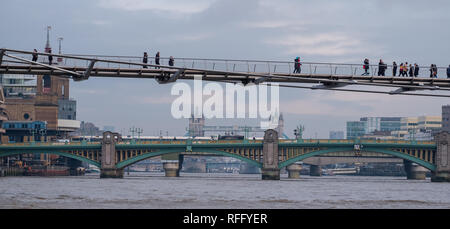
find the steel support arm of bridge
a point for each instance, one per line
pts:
(109, 157)
(270, 170)
(442, 172)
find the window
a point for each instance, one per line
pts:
(26, 116)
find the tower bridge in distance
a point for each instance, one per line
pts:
(271, 154)
(322, 76)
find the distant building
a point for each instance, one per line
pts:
(88, 129)
(337, 135)
(196, 126)
(421, 123)
(355, 129)
(367, 125)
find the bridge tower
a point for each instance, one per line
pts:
(442, 160)
(270, 170)
(109, 157)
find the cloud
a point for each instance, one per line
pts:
(152, 100)
(274, 24)
(173, 6)
(325, 44)
(100, 22)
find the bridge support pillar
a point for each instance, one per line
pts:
(171, 168)
(414, 171)
(315, 170)
(109, 157)
(270, 170)
(172, 164)
(294, 170)
(442, 172)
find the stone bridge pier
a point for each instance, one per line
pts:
(109, 157)
(315, 170)
(294, 170)
(270, 170)
(172, 164)
(414, 171)
(442, 161)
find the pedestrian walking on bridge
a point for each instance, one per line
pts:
(448, 71)
(145, 59)
(394, 69)
(366, 67)
(157, 60)
(297, 65)
(50, 57)
(171, 61)
(416, 70)
(381, 68)
(35, 56)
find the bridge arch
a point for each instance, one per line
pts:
(420, 162)
(59, 153)
(136, 159)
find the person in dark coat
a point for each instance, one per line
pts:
(416, 70)
(435, 70)
(145, 59)
(366, 67)
(35, 56)
(411, 70)
(380, 67)
(448, 71)
(171, 61)
(50, 57)
(157, 59)
(394, 69)
(297, 65)
(431, 70)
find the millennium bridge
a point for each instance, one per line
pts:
(271, 154)
(322, 76)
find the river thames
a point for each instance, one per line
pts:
(228, 191)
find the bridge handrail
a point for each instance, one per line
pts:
(330, 65)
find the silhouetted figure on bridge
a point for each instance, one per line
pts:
(297, 65)
(157, 60)
(411, 70)
(381, 68)
(394, 69)
(50, 57)
(35, 56)
(145, 59)
(366, 67)
(171, 61)
(448, 71)
(433, 71)
(416, 70)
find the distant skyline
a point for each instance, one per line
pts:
(317, 31)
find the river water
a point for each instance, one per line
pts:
(229, 191)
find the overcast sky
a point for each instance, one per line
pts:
(318, 31)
